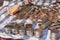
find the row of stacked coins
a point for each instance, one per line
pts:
(20, 29)
(29, 31)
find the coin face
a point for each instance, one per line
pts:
(53, 36)
(22, 32)
(29, 33)
(14, 31)
(21, 28)
(7, 30)
(37, 34)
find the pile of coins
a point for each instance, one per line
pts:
(45, 17)
(21, 29)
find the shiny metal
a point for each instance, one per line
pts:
(7, 29)
(21, 32)
(53, 35)
(14, 31)
(37, 33)
(50, 15)
(55, 24)
(21, 29)
(23, 13)
(55, 16)
(14, 28)
(29, 32)
(48, 23)
(20, 24)
(43, 20)
(28, 25)
(30, 12)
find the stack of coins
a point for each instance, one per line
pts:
(21, 29)
(14, 28)
(29, 30)
(7, 29)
